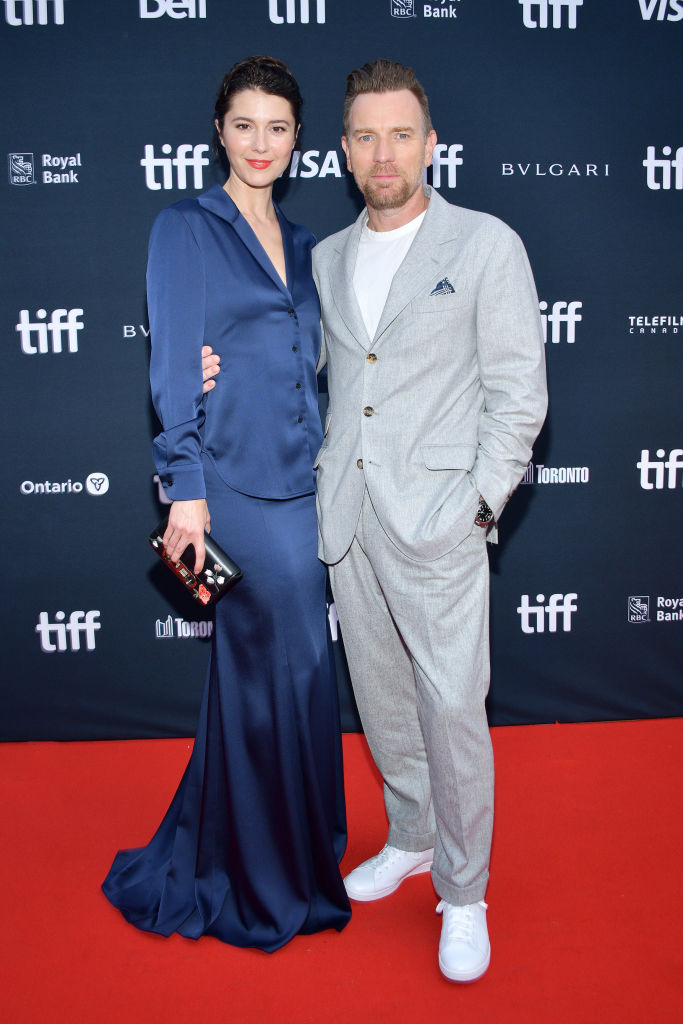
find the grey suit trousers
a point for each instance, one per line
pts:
(417, 644)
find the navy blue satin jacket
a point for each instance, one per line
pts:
(210, 282)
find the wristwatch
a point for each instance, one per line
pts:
(484, 516)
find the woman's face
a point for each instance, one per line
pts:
(258, 134)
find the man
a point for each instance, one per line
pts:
(436, 381)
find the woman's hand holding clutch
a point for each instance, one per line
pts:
(186, 524)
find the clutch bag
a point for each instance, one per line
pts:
(217, 577)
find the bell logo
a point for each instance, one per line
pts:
(53, 635)
(290, 6)
(62, 321)
(559, 606)
(33, 12)
(187, 156)
(672, 465)
(173, 8)
(659, 168)
(533, 9)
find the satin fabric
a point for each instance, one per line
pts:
(248, 851)
(249, 848)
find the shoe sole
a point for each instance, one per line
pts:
(465, 977)
(421, 869)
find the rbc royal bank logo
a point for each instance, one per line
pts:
(639, 609)
(281, 11)
(402, 9)
(187, 157)
(34, 12)
(535, 13)
(21, 169)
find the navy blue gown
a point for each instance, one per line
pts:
(249, 849)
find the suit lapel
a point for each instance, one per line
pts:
(342, 267)
(421, 262)
(219, 202)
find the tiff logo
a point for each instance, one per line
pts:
(53, 635)
(187, 156)
(539, 8)
(445, 156)
(274, 7)
(563, 320)
(62, 321)
(653, 165)
(671, 465)
(33, 12)
(559, 606)
(174, 8)
(648, 7)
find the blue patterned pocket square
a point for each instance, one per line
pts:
(443, 288)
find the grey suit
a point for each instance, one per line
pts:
(442, 405)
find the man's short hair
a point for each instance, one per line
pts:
(385, 76)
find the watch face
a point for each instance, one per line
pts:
(484, 513)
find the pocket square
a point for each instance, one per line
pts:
(444, 287)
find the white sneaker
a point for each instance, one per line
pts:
(464, 948)
(382, 874)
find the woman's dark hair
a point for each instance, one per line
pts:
(265, 73)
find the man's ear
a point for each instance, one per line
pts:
(345, 147)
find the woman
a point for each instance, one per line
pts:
(249, 848)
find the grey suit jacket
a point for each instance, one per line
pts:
(445, 402)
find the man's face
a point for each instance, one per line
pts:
(386, 149)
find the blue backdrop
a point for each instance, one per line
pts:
(560, 116)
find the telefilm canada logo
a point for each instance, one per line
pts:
(655, 323)
(55, 169)
(95, 484)
(34, 12)
(550, 617)
(550, 13)
(61, 634)
(661, 10)
(177, 9)
(43, 336)
(290, 12)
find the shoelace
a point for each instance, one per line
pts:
(385, 857)
(459, 921)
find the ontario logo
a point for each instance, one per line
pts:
(21, 169)
(95, 484)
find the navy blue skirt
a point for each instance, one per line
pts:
(249, 849)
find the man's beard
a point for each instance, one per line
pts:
(388, 197)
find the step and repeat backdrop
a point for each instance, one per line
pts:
(562, 117)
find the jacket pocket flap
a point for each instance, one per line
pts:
(449, 456)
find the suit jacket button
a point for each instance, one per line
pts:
(359, 463)
(371, 357)
(368, 411)
(298, 385)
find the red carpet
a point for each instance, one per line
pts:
(585, 901)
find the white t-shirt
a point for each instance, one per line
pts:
(380, 254)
